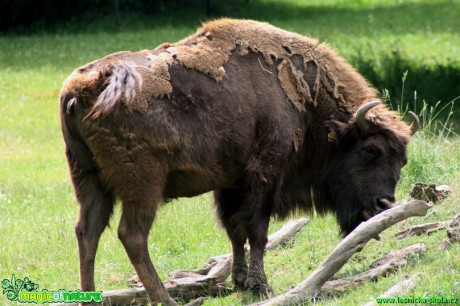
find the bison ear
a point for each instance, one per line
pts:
(335, 129)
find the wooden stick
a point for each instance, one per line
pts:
(351, 244)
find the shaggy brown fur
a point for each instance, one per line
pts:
(263, 117)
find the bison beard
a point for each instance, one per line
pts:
(271, 121)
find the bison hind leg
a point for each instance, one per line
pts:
(138, 213)
(96, 206)
(228, 203)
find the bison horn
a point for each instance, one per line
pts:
(361, 115)
(415, 126)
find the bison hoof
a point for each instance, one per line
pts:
(239, 276)
(259, 288)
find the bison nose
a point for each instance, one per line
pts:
(383, 203)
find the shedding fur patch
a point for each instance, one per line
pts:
(198, 57)
(294, 85)
(156, 82)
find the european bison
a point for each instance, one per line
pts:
(271, 121)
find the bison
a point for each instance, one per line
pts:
(271, 121)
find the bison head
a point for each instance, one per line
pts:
(369, 152)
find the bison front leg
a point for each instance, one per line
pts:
(136, 220)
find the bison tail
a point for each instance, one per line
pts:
(120, 85)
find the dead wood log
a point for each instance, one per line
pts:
(382, 267)
(421, 229)
(406, 284)
(354, 242)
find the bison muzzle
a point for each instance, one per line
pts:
(271, 121)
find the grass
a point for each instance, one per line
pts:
(36, 200)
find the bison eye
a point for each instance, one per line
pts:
(370, 152)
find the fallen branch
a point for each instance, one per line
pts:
(406, 284)
(382, 267)
(354, 242)
(421, 229)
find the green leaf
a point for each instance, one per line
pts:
(13, 280)
(35, 286)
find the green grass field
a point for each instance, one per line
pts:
(36, 198)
